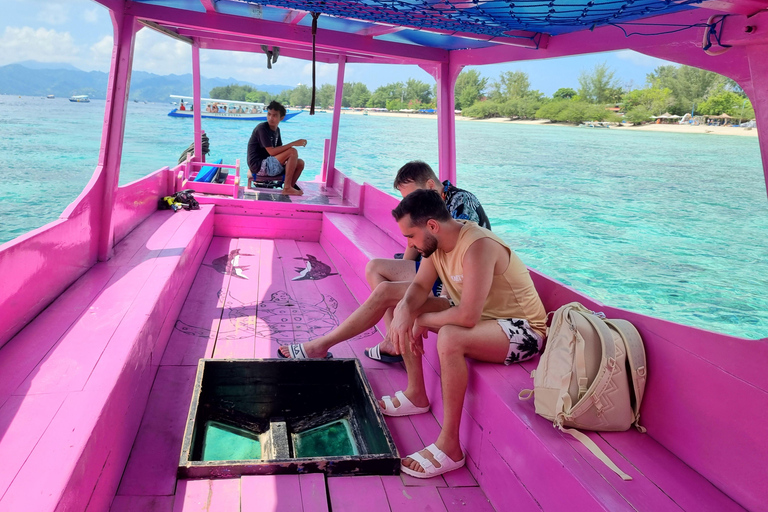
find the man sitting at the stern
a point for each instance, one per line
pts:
(267, 156)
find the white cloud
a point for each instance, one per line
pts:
(43, 45)
(92, 15)
(639, 59)
(101, 54)
(53, 13)
(160, 54)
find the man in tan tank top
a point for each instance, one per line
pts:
(498, 317)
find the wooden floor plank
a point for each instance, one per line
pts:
(274, 324)
(236, 337)
(465, 499)
(225, 495)
(271, 493)
(192, 496)
(411, 499)
(194, 335)
(314, 495)
(151, 468)
(142, 503)
(358, 493)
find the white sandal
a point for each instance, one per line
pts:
(376, 354)
(406, 407)
(296, 351)
(446, 463)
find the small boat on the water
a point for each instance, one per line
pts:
(81, 98)
(595, 124)
(50, 96)
(224, 109)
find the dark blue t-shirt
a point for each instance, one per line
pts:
(261, 138)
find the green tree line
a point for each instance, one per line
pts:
(673, 89)
(413, 94)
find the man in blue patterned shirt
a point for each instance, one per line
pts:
(461, 205)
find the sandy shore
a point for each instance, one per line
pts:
(673, 128)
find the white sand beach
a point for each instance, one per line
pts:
(673, 128)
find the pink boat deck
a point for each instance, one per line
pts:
(248, 314)
(96, 389)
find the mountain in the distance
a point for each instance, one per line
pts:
(30, 78)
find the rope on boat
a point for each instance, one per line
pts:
(315, 15)
(191, 149)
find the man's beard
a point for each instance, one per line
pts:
(430, 246)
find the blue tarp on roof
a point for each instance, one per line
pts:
(494, 18)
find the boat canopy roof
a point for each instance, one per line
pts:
(235, 102)
(419, 31)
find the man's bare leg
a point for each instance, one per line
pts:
(290, 160)
(385, 296)
(484, 342)
(299, 169)
(380, 270)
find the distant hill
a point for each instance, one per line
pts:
(32, 78)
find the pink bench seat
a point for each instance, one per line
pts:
(520, 461)
(76, 379)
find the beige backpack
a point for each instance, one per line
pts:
(591, 376)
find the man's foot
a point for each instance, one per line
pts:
(401, 405)
(430, 462)
(380, 353)
(290, 191)
(307, 350)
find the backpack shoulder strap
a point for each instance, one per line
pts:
(633, 344)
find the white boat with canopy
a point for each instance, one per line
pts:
(212, 108)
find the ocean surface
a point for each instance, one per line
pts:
(671, 225)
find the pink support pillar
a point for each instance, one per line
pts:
(125, 28)
(199, 157)
(336, 117)
(758, 67)
(445, 74)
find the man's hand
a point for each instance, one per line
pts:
(418, 333)
(301, 142)
(400, 328)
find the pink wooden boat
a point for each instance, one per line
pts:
(106, 311)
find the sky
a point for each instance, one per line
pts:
(79, 32)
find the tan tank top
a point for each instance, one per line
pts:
(512, 292)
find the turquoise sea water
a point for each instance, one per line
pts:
(672, 225)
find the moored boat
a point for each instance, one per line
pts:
(80, 98)
(100, 364)
(224, 109)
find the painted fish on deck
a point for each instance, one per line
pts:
(230, 264)
(314, 270)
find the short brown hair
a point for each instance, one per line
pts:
(275, 105)
(415, 172)
(422, 205)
